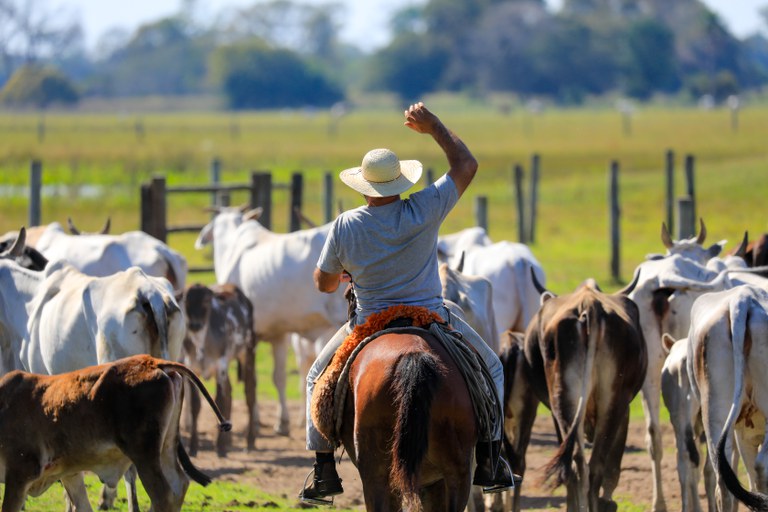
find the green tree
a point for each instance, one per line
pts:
(650, 63)
(254, 75)
(39, 87)
(413, 64)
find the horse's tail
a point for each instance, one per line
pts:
(414, 383)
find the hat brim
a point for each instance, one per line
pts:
(410, 173)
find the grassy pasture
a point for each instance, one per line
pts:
(94, 164)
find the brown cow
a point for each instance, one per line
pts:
(219, 329)
(101, 419)
(588, 359)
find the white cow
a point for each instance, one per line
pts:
(690, 248)
(101, 255)
(450, 248)
(727, 355)
(274, 270)
(508, 267)
(685, 416)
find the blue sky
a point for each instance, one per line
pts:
(365, 24)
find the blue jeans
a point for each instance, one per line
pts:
(316, 441)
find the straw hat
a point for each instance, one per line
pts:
(382, 174)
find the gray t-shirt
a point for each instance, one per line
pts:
(391, 251)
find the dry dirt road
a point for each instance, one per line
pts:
(280, 464)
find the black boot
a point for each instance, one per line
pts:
(325, 483)
(492, 473)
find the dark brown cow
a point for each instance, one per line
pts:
(219, 329)
(755, 253)
(101, 419)
(587, 358)
(520, 404)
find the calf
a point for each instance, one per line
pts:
(685, 416)
(101, 419)
(219, 329)
(588, 361)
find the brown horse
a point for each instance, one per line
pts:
(409, 425)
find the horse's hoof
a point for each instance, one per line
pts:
(282, 428)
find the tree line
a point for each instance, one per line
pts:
(285, 53)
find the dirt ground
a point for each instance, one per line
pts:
(280, 463)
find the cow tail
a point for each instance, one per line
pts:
(560, 467)
(414, 384)
(190, 469)
(739, 322)
(224, 424)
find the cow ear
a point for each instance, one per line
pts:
(654, 256)
(254, 214)
(545, 297)
(715, 249)
(667, 341)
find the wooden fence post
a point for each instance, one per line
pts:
(261, 195)
(615, 217)
(35, 189)
(217, 198)
(481, 212)
(297, 188)
(153, 221)
(669, 169)
(686, 218)
(690, 189)
(518, 170)
(328, 196)
(535, 163)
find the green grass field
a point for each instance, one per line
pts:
(94, 163)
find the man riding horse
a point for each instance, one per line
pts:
(388, 250)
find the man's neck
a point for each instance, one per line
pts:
(381, 201)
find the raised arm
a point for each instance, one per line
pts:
(463, 165)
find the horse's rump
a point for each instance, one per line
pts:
(323, 406)
(409, 419)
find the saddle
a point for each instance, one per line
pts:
(325, 405)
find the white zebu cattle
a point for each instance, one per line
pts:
(474, 295)
(102, 255)
(508, 267)
(274, 270)
(690, 248)
(17, 287)
(658, 280)
(685, 416)
(451, 247)
(727, 355)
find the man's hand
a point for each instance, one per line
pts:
(418, 118)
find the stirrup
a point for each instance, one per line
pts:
(323, 502)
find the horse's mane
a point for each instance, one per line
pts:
(322, 408)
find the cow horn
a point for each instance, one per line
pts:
(244, 207)
(213, 209)
(631, 286)
(536, 283)
(18, 245)
(460, 265)
(741, 250)
(340, 207)
(665, 238)
(702, 233)
(71, 226)
(107, 225)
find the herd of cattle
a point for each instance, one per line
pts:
(691, 328)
